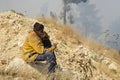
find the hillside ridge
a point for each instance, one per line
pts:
(75, 60)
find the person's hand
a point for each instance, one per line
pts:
(54, 46)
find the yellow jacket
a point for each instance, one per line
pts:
(32, 47)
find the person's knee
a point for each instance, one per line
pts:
(50, 56)
(50, 53)
(40, 58)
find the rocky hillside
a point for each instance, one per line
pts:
(75, 60)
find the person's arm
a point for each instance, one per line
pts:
(36, 43)
(49, 49)
(53, 47)
(38, 46)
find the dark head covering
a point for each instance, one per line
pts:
(38, 27)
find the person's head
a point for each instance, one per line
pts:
(38, 28)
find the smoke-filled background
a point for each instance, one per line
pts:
(97, 19)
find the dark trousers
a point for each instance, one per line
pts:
(49, 56)
(51, 59)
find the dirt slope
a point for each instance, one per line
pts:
(75, 61)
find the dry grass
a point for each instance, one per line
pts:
(66, 32)
(101, 49)
(63, 33)
(105, 69)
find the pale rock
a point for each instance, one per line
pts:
(113, 66)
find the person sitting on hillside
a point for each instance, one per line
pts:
(37, 47)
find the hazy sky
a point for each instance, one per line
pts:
(30, 7)
(108, 9)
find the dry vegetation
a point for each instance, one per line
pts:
(102, 49)
(71, 35)
(67, 32)
(78, 58)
